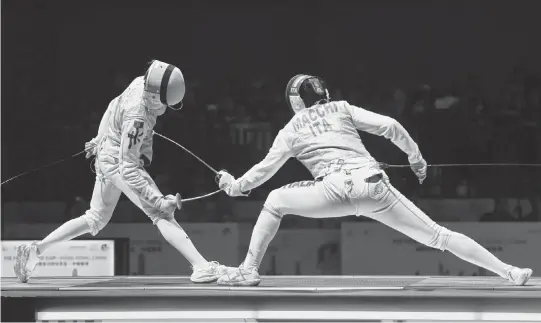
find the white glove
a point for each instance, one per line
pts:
(228, 184)
(91, 148)
(170, 203)
(144, 161)
(419, 169)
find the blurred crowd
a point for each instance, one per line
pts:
(232, 123)
(59, 78)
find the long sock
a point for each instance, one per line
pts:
(67, 231)
(407, 218)
(177, 237)
(469, 250)
(264, 231)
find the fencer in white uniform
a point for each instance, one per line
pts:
(123, 146)
(323, 136)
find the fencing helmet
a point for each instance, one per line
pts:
(304, 91)
(164, 84)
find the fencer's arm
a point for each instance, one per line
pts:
(146, 149)
(103, 123)
(133, 132)
(387, 127)
(278, 154)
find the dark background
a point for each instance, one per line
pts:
(63, 61)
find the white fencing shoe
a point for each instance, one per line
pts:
(240, 277)
(27, 259)
(519, 276)
(208, 273)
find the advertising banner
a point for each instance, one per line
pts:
(82, 258)
(374, 249)
(150, 254)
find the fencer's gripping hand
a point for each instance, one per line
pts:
(170, 203)
(228, 184)
(91, 148)
(144, 161)
(419, 169)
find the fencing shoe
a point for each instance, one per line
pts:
(27, 259)
(240, 277)
(208, 273)
(519, 276)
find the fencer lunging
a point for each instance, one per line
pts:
(123, 146)
(323, 136)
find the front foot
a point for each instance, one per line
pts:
(240, 277)
(208, 273)
(519, 276)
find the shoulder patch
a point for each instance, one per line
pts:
(136, 134)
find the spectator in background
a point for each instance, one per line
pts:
(242, 115)
(501, 212)
(534, 215)
(513, 92)
(163, 181)
(328, 259)
(76, 207)
(471, 94)
(399, 103)
(336, 94)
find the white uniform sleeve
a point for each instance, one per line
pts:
(133, 131)
(104, 123)
(278, 154)
(146, 149)
(387, 127)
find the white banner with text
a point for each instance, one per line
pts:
(374, 249)
(67, 259)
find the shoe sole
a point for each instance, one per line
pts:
(523, 279)
(243, 283)
(205, 280)
(18, 266)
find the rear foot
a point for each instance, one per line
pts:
(519, 276)
(208, 273)
(240, 277)
(26, 261)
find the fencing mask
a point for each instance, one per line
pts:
(164, 83)
(304, 91)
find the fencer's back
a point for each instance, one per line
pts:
(324, 136)
(127, 106)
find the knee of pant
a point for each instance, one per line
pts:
(162, 216)
(96, 221)
(272, 203)
(440, 238)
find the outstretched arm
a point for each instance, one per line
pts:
(278, 154)
(387, 127)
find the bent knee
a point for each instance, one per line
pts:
(440, 238)
(272, 204)
(161, 216)
(96, 221)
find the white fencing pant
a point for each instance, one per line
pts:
(343, 193)
(107, 189)
(349, 193)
